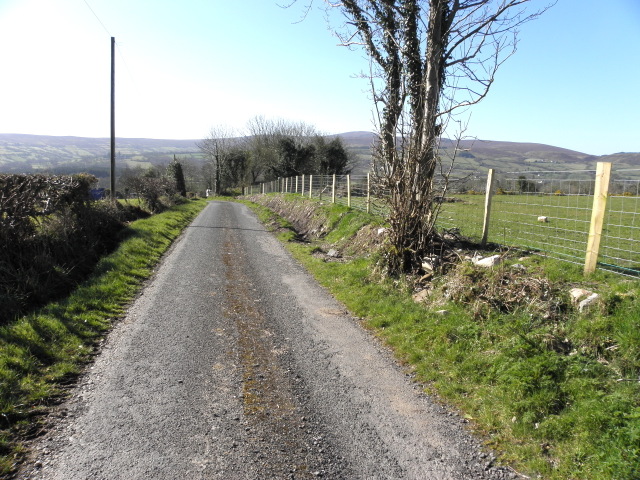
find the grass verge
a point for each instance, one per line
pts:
(42, 352)
(556, 391)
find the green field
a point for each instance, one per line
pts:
(514, 222)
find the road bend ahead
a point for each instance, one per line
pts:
(235, 364)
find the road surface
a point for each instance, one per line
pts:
(235, 364)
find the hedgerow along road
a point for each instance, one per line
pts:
(235, 364)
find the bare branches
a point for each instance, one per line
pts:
(306, 11)
(429, 58)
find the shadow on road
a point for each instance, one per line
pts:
(229, 228)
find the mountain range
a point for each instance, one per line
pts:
(480, 155)
(20, 153)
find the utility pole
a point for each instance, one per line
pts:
(113, 120)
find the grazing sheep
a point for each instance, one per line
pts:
(543, 219)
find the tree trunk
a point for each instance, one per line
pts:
(413, 207)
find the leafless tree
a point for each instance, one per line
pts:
(216, 147)
(429, 59)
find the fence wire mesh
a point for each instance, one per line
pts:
(546, 211)
(620, 248)
(539, 211)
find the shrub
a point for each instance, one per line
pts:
(152, 190)
(51, 236)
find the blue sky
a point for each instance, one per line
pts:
(185, 67)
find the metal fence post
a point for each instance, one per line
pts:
(601, 190)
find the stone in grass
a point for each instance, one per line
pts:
(333, 253)
(487, 262)
(421, 296)
(578, 293)
(583, 298)
(588, 302)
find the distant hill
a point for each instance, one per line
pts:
(480, 155)
(36, 153)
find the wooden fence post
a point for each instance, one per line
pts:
(349, 191)
(601, 190)
(310, 185)
(368, 193)
(333, 189)
(487, 208)
(296, 184)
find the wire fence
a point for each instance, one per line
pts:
(532, 210)
(359, 192)
(551, 212)
(620, 249)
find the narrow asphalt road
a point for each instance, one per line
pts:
(235, 364)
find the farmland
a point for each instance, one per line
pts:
(65, 155)
(514, 221)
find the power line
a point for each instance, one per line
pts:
(126, 66)
(97, 18)
(118, 47)
(122, 57)
(117, 44)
